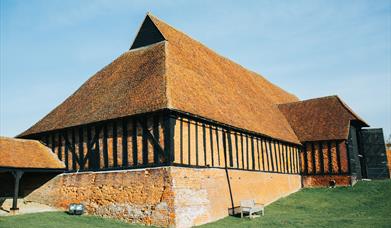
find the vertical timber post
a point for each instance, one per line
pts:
(169, 129)
(17, 175)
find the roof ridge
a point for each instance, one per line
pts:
(259, 75)
(311, 99)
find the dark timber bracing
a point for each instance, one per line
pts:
(149, 140)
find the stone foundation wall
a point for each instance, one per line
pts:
(203, 195)
(137, 196)
(170, 196)
(324, 181)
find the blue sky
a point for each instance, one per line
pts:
(310, 48)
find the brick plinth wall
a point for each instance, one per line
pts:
(170, 196)
(136, 196)
(324, 181)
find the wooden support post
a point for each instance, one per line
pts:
(134, 142)
(145, 152)
(66, 149)
(155, 132)
(218, 144)
(115, 144)
(124, 140)
(281, 157)
(338, 157)
(237, 150)
(271, 153)
(181, 139)
(75, 158)
(188, 143)
(263, 157)
(169, 130)
(313, 158)
(259, 156)
(211, 144)
(196, 141)
(330, 158)
(81, 149)
(17, 175)
(105, 149)
(231, 162)
(242, 149)
(247, 156)
(252, 153)
(305, 158)
(204, 142)
(321, 159)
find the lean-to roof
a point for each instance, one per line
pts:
(22, 153)
(325, 118)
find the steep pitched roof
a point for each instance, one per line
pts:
(324, 118)
(22, 153)
(177, 73)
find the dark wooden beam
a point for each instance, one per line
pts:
(81, 148)
(196, 141)
(153, 140)
(181, 140)
(338, 157)
(247, 153)
(105, 149)
(188, 143)
(224, 141)
(144, 140)
(65, 132)
(134, 142)
(211, 144)
(125, 162)
(237, 150)
(231, 162)
(75, 158)
(17, 175)
(156, 136)
(258, 155)
(218, 145)
(204, 142)
(59, 154)
(115, 144)
(313, 158)
(242, 149)
(330, 158)
(262, 155)
(305, 158)
(274, 157)
(96, 154)
(169, 131)
(321, 159)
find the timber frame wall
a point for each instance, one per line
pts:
(166, 138)
(321, 158)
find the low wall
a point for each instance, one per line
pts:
(170, 196)
(203, 195)
(324, 181)
(137, 196)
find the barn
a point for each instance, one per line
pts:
(172, 134)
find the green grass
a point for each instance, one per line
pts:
(367, 204)
(60, 220)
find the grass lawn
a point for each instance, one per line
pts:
(367, 204)
(60, 220)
